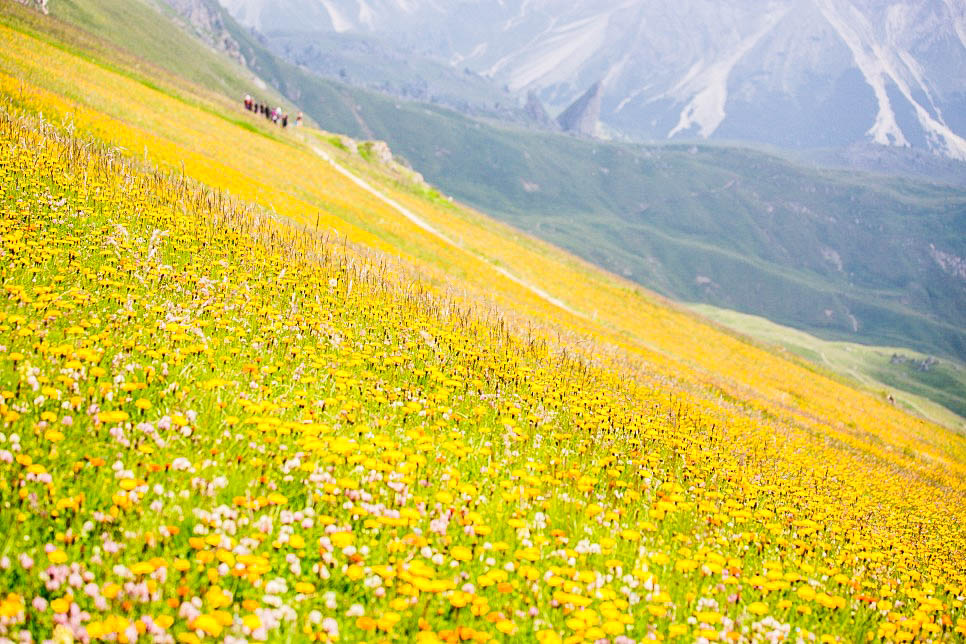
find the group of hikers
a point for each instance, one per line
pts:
(273, 114)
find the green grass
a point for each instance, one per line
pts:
(937, 392)
(151, 33)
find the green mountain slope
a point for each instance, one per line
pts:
(151, 33)
(842, 256)
(845, 256)
(932, 388)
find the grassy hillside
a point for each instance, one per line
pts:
(247, 395)
(149, 31)
(926, 385)
(844, 256)
(365, 62)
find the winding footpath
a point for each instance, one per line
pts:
(429, 228)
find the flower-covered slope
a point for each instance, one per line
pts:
(219, 426)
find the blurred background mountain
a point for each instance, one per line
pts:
(792, 73)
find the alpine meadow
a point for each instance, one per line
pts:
(267, 384)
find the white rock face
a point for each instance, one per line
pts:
(800, 73)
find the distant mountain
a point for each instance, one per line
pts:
(205, 18)
(794, 73)
(890, 160)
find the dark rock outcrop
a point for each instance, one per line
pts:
(205, 18)
(582, 115)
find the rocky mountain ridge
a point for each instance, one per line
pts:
(793, 73)
(205, 19)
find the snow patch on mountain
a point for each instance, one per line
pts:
(340, 23)
(708, 85)
(367, 16)
(885, 130)
(554, 54)
(479, 50)
(881, 64)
